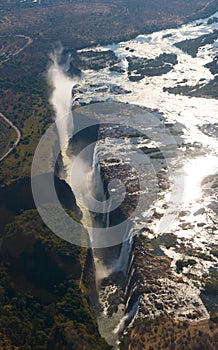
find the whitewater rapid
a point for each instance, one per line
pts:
(199, 151)
(190, 112)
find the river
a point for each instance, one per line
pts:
(188, 215)
(192, 113)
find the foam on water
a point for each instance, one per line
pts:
(190, 112)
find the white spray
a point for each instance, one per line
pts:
(61, 100)
(61, 96)
(76, 169)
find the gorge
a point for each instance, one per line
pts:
(153, 268)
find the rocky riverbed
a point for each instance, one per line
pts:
(167, 268)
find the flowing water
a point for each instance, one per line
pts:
(199, 149)
(199, 157)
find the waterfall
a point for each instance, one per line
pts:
(61, 96)
(82, 172)
(107, 213)
(122, 263)
(129, 318)
(96, 183)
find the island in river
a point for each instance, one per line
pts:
(49, 308)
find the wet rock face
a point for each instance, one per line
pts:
(112, 293)
(115, 168)
(158, 276)
(143, 179)
(161, 290)
(151, 282)
(115, 146)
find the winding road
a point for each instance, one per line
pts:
(18, 50)
(17, 132)
(29, 41)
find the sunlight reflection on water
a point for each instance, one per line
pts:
(195, 171)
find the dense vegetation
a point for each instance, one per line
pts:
(43, 302)
(38, 26)
(7, 137)
(191, 46)
(165, 333)
(24, 100)
(199, 90)
(140, 67)
(94, 59)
